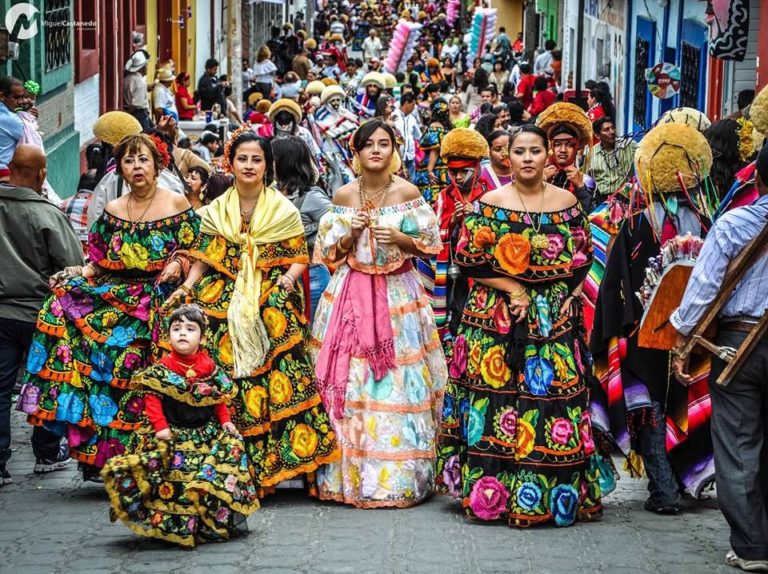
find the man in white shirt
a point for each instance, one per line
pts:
(372, 46)
(543, 62)
(450, 50)
(164, 100)
(407, 124)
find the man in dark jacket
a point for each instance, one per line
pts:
(36, 242)
(211, 90)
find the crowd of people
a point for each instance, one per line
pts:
(380, 285)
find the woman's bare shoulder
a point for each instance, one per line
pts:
(347, 195)
(558, 198)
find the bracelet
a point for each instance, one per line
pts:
(340, 246)
(291, 279)
(187, 290)
(522, 294)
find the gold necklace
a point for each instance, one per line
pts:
(134, 223)
(191, 373)
(374, 201)
(538, 240)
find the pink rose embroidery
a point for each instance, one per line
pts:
(585, 432)
(501, 316)
(488, 498)
(562, 431)
(458, 364)
(555, 247)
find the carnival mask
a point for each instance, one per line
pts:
(285, 122)
(335, 102)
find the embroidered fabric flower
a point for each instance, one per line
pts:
(121, 337)
(303, 441)
(561, 431)
(103, 409)
(476, 424)
(538, 375)
(524, 439)
(102, 367)
(555, 247)
(75, 305)
(134, 256)
(69, 408)
(513, 253)
(452, 475)
(458, 364)
(36, 357)
(488, 498)
(563, 502)
(585, 433)
(494, 369)
(484, 237)
(528, 496)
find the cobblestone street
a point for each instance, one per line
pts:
(56, 524)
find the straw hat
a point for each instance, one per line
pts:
(315, 87)
(139, 59)
(165, 75)
(569, 114)
(331, 91)
(287, 105)
(373, 78)
(114, 126)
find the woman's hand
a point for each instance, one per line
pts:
(386, 235)
(549, 172)
(58, 279)
(178, 296)
(164, 434)
(519, 301)
(286, 282)
(230, 428)
(359, 222)
(171, 273)
(433, 179)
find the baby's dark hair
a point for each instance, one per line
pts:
(191, 313)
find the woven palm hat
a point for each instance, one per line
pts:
(669, 150)
(329, 92)
(374, 78)
(114, 126)
(315, 87)
(758, 111)
(570, 115)
(689, 116)
(287, 105)
(464, 143)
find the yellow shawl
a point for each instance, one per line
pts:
(274, 219)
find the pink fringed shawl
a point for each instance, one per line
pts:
(360, 326)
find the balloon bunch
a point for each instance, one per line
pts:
(452, 12)
(401, 47)
(483, 25)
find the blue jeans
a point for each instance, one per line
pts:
(409, 167)
(15, 338)
(662, 481)
(319, 277)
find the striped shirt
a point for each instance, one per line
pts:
(611, 169)
(729, 235)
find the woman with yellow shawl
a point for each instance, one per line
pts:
(250, 258)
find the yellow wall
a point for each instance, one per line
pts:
(151, 37)
(509, 15)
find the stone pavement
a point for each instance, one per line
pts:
(56, 524)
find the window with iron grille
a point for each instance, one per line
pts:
(58, 34)
(690, 66)
(641, 86)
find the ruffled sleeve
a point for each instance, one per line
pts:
(581, 238)
(421, 224)
(431, 139)
(217, 252)
(333, 226)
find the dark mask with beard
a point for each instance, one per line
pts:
(285, 123)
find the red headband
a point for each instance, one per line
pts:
(460, 163)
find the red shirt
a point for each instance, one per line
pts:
(182, 95)
(541, 101)
(525, 89)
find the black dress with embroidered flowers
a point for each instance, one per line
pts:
(194, 487)
(516, 439)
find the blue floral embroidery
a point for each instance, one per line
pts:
(528, 496)
(103, 409)
(70, 408)
(121, 337)
(36, 358)
(563, 502)
(538, 375)
(102, 367)
(476, 425)
(156, 242)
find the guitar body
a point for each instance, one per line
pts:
(656, 332)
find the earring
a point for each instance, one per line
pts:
(395, 164)
(356, 167)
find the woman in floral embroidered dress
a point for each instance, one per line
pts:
(379, 362)
(516, 441)
(101, 323)
(250, 257)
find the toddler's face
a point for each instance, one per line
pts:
(185, 336)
